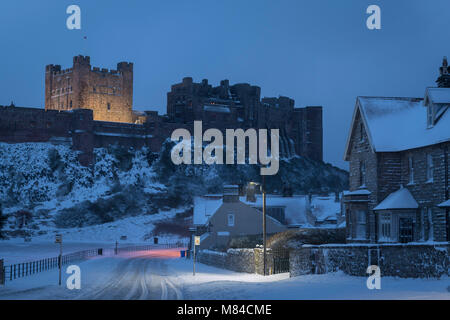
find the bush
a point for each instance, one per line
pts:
(23, 217)
(2, 222)
(54, 160)
(129, 202)
(123, 157)
(297, 237)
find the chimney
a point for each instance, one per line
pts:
(231, 193)
(250, 196)
(444, 77)
(336, 196)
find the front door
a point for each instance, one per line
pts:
(405, 230)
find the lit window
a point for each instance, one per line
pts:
(430, 168)
(231, 220)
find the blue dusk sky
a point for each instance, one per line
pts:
(315, 51)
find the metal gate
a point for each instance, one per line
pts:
(280, 261)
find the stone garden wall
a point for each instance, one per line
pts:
(401, 260)
(239, 260)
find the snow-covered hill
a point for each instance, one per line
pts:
(46, 181)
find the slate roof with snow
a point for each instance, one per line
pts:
(400, 199)
(438, 95)
(295, 208)
(445, 204)
(205, 207)
(359, 192)
(397, 124)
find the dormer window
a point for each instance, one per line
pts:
(430, 121)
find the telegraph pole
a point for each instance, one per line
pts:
(264, 222)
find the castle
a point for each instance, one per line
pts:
(108, 93)
(91, 107)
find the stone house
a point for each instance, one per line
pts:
(398, 151)
(219, 218)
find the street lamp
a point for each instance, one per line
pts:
(264, 223)
(263, 191)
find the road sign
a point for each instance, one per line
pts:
(197, 240)
(58, 238)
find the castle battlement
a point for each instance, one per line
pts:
(106, 71)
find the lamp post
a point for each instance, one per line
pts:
(264, 224)
(262, 187)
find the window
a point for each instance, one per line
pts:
(70, 104)
(430, 225)
(430, 168)
(231, 219)
(411, 169)
(385, 226)
(362, 174)
(406, 230)
(430, 116)
(108, 106)
(422, 223)
(360, 224)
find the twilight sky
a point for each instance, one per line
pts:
(316, 51)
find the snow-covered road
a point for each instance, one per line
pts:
(162, 274)
(139, 278)
(129, 275)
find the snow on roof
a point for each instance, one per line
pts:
(221, 109)
(397, 124)
(400, 199)
(295, 207)
(439, 95)
(445, 204)
(359, 192)
(205, 207)
(325, 208)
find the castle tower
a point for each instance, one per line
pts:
(444, 77)
(108, 93)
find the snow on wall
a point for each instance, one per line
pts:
(405, 261)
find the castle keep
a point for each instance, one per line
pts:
(90, 107)
(108, 93)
